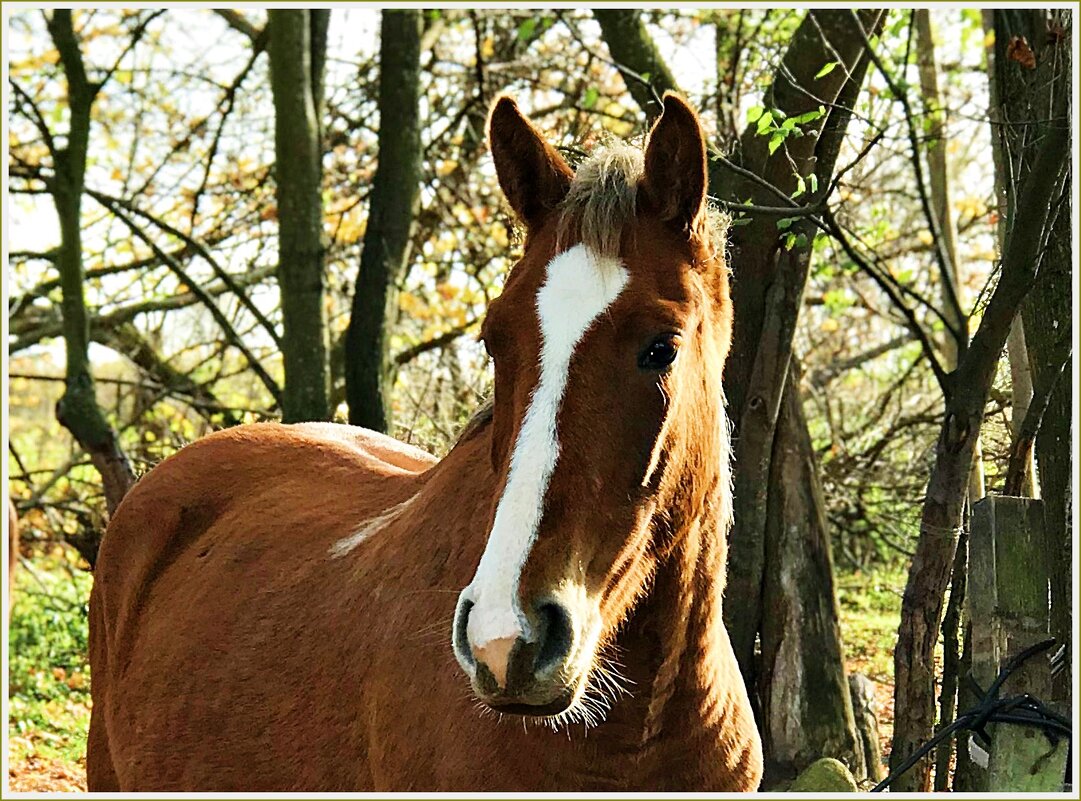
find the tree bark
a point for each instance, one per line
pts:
(387, 242)
(806, 703)
(78, 410)
(759, 264)
(1027, 96)
(1016, 349)
(295, 76)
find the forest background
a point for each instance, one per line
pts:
(216, 217)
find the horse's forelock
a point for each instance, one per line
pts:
(602, 202)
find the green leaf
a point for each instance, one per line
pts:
(525, 30)
(785, 223)
(801, 186)
(809, 116)
(589, 100)
(753, 113)
(814, 182)
(801, 241)
(789, 241)
(647, 76)
(764, 123)
(775, 142)
(827, 68)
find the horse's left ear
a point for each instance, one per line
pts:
(675, 170)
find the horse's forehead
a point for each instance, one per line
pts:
(578, 285)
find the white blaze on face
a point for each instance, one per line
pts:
(578, 288)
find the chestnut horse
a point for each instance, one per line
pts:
(282, 607)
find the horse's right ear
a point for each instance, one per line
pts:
(533, 175)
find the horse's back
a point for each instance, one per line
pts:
(200, 564)
(298, 480)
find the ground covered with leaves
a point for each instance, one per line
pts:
(870, 605)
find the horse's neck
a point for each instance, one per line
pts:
(684, 613)
(694, 698)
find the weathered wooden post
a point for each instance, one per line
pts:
(1008, 609)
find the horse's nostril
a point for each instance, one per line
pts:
(461, 637)
(556, 636)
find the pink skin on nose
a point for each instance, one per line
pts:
(495, 654)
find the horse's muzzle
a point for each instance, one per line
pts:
(524, 674)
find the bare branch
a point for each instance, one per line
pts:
(238, 22)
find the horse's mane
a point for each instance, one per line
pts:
(602, 201)
(473, 426)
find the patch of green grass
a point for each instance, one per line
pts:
(870, 604)
(49, 675)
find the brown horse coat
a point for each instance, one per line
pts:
(273, 605)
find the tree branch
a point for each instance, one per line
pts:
(412, 352)
(219, 317)
(113, 204)
(910, 317)
(1025, 439)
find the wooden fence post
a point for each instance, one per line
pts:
(1008, 608)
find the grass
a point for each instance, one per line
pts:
(48, 674)
(870, 606)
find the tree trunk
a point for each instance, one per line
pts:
(921, 608)
(1049, 347)
(763, 270)
(298, 172)
(636, 57)
(78, 410)
(939, 181)
(806, 704)
(387, 242)
(767, 292)
(1020, 398)
(1047, 313)
(952, 306)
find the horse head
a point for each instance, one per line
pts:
(609, 436)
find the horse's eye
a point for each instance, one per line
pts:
(660, 353)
